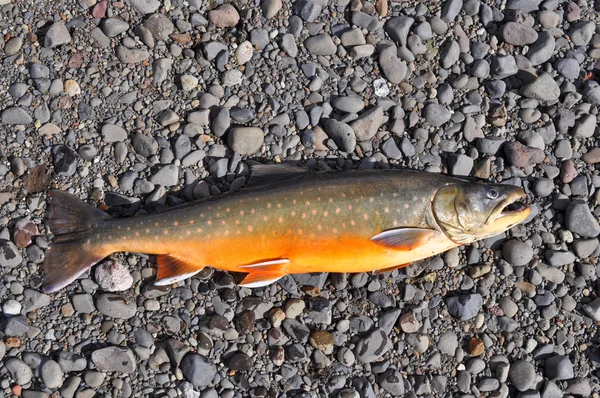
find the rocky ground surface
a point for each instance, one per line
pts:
(144, 104)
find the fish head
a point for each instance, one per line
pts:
(470, 211)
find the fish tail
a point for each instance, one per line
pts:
(73, 251)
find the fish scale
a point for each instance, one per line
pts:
(325, 222)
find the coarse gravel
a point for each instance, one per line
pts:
(139, 105)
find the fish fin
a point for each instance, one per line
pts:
(264, 273)
(173, 269)
(404, 239)
(264, 174)
(72, 222)
(390, 269)
(265, 263)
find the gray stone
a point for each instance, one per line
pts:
(10, 257)
(543, 88)
(51, 374)
(585, 127)
(451, 9)
(15, 326)
(450, 54)
(448, 343)
(392, 382)
(342, 134)
(503, 66)
(245, 140)
(581, 33)
(64, 160)
(517, 253)
(559, 367)
(372, 347)
(160, 26)
(132, 55)
(459, 164)
(580, 220)
(350, 104)
(518, 34)
(57, 35)
(160, 69)
(522, 375)
(15, 115)
(464, 307)
(83, 303)
(114, 359)
(166, 176)
(542, 50)
(113, 133)
(114, 26)
(568, 67)
(198, 370)
(368, 123)
(145, 6)
(393, 68)
(558, 258)
(436, 115)
(592, 309)
(19, 371)
(397, 29)
(144, 144)
(320, 45)
(116, 306)
(220, 122)
(288, 44)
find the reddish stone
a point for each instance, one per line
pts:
(24, 230)
(568, 171)
(99, 9)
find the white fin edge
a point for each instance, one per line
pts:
(175, 279)
(265, 263)
(262, 283)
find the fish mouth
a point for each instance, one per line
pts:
(513, 205)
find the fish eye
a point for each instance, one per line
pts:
(492, 193)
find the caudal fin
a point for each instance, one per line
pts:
(72, 252)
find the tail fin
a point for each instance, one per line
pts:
(73, 252)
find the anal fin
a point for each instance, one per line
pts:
(173, 269)
(264, 273)
(390, 269)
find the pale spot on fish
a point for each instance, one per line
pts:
(223, 222)
(366, 216)
(156, 224)
(265, 218)
(250, 228)
(166, 232)
(280, 219)
(268, 205)
(299, 232)
(349, 207)
(334, 231)
(406, 206)
(314, 211)
(228, 210)
(176, 223)
(307, 203)
(252, 212)
(191, 221)
(337, 210)
(371, 200)
(303, 215)
(137, 234)
(325, 213)
(237, 222)
(352, 222)
(199, 230)
(188, 232)
(293, 214)
(242, 213)
(147, 230)
(387, 209)
(319, 227)
(279, 205)
(209, 222)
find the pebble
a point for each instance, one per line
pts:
(580, 220)
(57, 35)
(518, 34)
(15, 115)
(436, 115)
(245, 140)
(372, 347)
(558, 367)
(464, 307)
(115, 306)
(51, 374)
(10, 257)
(522, 375)
(19, 371)
(224, 16)
(517, 253)
(114, 359)
(343, 135)
(581, 33)
(112, 276)
(320, 45)
(543, 88)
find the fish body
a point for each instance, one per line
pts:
(325, 222)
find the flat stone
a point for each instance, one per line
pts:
(198, 370)
(372, 347)
(559, 367)
(114, 359)
(542, 49)
(320, 45)
(15, 115)
(245, 140)
(580, 220)
(145, 6)
(581, 33)
(464, 307)
(57, 35)
(115, 306)
(368, 123)
(518, 34)
(113, 133)
(132, 55)
(522, 375)
(436, 114)
(224, 16)
(114, 26)
(19, 371)
(397, 29)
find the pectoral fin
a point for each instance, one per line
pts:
(390, 269)
(263, 273)
(404, 239)
(173, 269)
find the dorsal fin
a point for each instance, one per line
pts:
(264, 174)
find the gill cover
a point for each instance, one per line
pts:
(470, 211)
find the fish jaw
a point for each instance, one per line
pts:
(512, 211)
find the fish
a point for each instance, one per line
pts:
(288, 220)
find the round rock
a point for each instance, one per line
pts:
(198, 370)
(245, 140)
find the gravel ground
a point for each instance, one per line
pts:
(144, 104)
